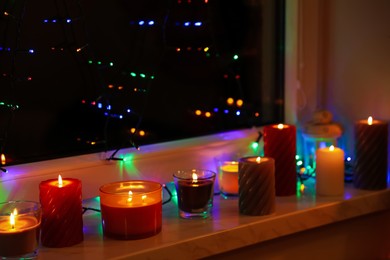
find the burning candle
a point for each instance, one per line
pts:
(131, 209)
(19, 229)
(330, 171)
(62, 219)
(256, 186)
(371, 140)
(195, 190)
(280, 144)
(228, 179)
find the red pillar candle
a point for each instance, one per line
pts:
(280, 144)
(256, 178)
(62, 219)
(19, 229)
(371, 140)
(131, 209)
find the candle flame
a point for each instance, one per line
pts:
(258, 159)
(59, 181)
(280, 126)
(130, 198)
(369, 120)
(12, 220)
(3, 160)
(194, 177)
(331, 148)
(302, 187)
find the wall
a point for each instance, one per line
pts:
(339, 59)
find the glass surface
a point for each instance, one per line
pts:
(195, 192)
(93, 76)
(19, 229)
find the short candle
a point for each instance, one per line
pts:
(228, 178)
(131, 209)
(195, 190)
(19, 230)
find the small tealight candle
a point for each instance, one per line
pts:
(131, 209)
(19, 229)
(256, 186)
(280, 144)
(330, 171)
(371, 140)
(228, 179)
(62, 212)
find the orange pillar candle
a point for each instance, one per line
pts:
(19, 229)
(256, 186)
(62, 212)
(371, 141)
(280, 144)
(131, 209)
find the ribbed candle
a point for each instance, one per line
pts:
(371, 140)
(280, 144)
(256, 179)
(62, 220)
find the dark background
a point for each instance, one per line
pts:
(51, 97)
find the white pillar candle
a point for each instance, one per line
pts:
(330, 171)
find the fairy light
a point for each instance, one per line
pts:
(230, 101)
(239, 102)
(198, 112)
(207, 114)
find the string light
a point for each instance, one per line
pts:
(143, 22)
(120, 87)
(100, 63)
(8, 105)
(108, 108)
(8, 49)
(189, 23)
(67, 20)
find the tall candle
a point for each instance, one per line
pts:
(371, 141)
(330, 171)
(19, 229)
(131, 209)
(62, 219)
(256, 186)
(280, 144)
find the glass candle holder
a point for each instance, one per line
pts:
(228, 179)
(195, 190)
(19, 229)
(131, 209)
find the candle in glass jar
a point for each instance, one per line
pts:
(62, 220)
(195, 190)
(131, 209)
(19, 229)
(371, 140)
(228, 178)
(330, 171)
(280, 144)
